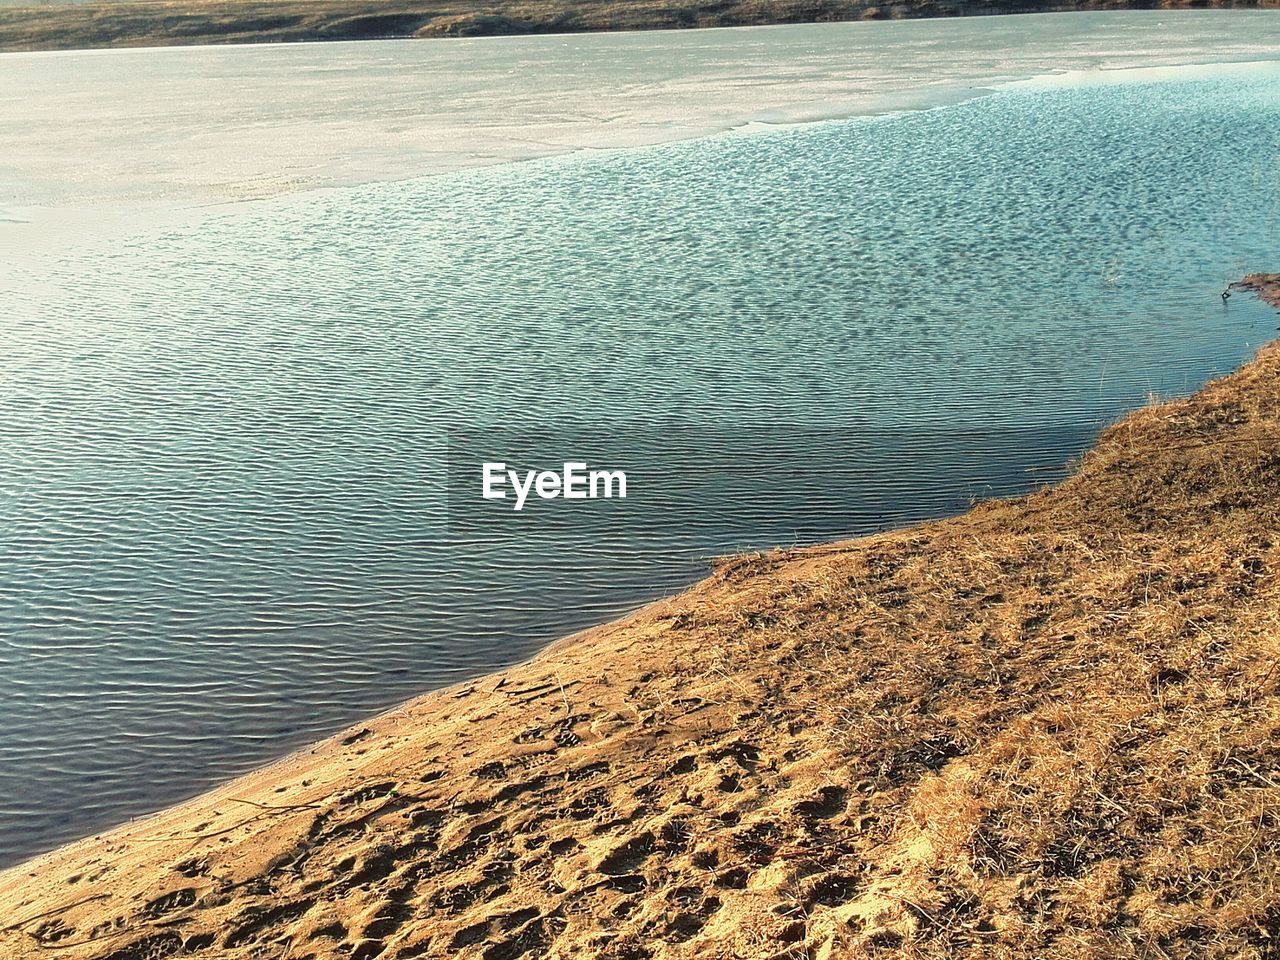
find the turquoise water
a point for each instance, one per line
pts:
(240, 489)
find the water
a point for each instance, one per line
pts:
(239, 490)
(99, 129)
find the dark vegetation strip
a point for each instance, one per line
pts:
(62, 26)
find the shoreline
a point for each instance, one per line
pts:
(851, 727)
(54, 207)
(159, 23)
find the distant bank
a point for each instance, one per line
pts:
(63, 26)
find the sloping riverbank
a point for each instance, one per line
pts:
(1047, 728)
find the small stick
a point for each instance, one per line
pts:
(66, 906)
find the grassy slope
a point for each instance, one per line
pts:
(1048, 728)
(67, 26)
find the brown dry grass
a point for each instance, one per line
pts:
(61, 25)
(1049, 728)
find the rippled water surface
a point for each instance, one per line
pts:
(240, 476)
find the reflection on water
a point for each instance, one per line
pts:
(236, 510)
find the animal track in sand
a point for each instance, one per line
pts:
(258, 920)
(169, 902)
(628, 856)
(827, 804)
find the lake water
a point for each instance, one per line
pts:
(240, 487)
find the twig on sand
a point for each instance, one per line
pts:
(568, 708)
(275, 806)
(1267, 676)
(266, 811)
(40, 916)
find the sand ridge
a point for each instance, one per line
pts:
(1047, 728)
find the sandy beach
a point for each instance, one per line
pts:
(1047, 728)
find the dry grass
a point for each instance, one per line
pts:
(61, 25)
(1047, 729)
